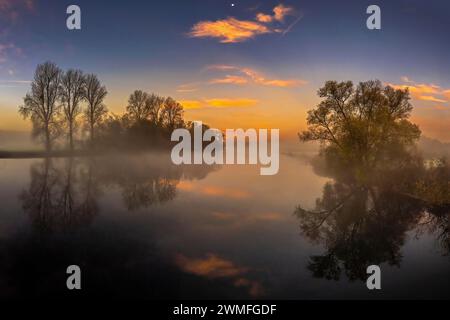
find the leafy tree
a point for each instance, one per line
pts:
(95, 93)
(156, 105)
(362, 126)
(139, 107)
(72, 93)
(172, 114)
(40, 105)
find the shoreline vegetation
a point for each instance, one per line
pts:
(366, 138)
(69, 117)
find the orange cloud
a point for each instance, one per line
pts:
(281, 12)
(231, 103)
(446, 94)
(191, 104)
(406, 79)
(259, 79)
(218, 103)
(265, 18)
(253, 77)
(230, 79)
(425, 92)
(430, 98)
(189, 87)
(230, 30)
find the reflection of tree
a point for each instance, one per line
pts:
(118, 266)
(381, 188)
(147, 182)
(63, 194)
(148, 192)
(39, 199)
(359, 227)
(60, 198)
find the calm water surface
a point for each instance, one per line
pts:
(141, 227)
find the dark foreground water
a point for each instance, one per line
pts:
(141, 227)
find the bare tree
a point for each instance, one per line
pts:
(138, 106)
(95, 93)
(40, 105)
(156, 104)
(72, 92)
(172, 114)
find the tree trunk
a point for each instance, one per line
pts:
(71, 136)
(48, 146)
(92, 132)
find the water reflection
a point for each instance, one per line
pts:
(61, 198)
(62, 202)
(63, 194)
(194, 233)
(362, 225)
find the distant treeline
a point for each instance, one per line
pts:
(67, 109)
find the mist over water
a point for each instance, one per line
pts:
(140, 226)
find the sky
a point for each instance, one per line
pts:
(233, 64)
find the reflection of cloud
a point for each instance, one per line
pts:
(248, 217)
(213, 191)
(232, 30)
(225, 192)
(210, 267)
(215, 267)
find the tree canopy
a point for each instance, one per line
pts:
(363, 125)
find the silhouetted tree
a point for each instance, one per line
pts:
(40, 105)
(172, 114)
(156, 104)
(364, 126)
(359, 227)
(139, 107)
(72, 92)
(95, 93)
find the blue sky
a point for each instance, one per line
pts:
(169, 47)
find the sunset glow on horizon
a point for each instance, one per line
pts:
(247, 65)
